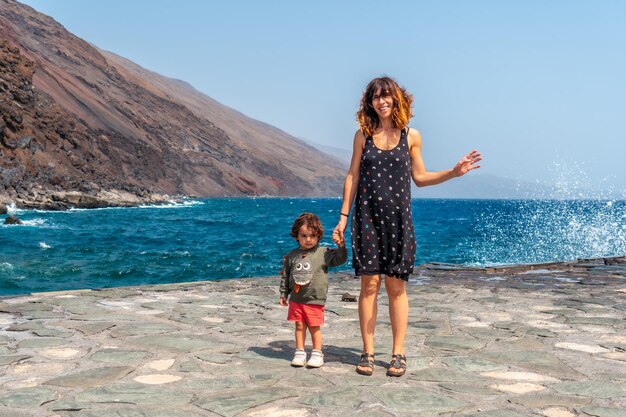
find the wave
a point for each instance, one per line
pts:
(9, 277)
(175, 254)
(30, 223)
(169, 205)
(174, 204)
(44, 245)
(12, 209)
(34, 222)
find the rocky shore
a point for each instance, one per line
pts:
(64, 200)
(533, 340)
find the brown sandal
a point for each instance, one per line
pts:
(397, 366)
(366, 364)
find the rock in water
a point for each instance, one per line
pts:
(11, 219)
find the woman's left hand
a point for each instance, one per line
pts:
(467, 163)
(340, 229)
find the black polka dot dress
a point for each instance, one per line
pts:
(383, 240)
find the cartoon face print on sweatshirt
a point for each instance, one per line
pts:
(301, 269)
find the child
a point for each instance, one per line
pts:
(304, 280)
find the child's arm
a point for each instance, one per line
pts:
(336, 257)
(284, 282)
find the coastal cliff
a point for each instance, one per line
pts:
(82, 127)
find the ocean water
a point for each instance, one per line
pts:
(225, 238)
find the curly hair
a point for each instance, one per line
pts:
(311, 221)
(402, 100)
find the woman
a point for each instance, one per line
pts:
(386, 156)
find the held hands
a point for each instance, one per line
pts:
(467, 163)
(283, 301)
(338, 237)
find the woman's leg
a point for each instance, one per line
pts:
(398, 311)
(368, 310)
(300, 334)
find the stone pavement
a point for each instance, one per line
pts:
(542, 340)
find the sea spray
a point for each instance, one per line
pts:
(576, 217)
(572, 180)
(532, 231)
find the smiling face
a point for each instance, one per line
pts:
(382, 102)
(307, 238)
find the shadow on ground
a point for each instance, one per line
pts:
(283, 349)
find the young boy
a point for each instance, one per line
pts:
(304, 280)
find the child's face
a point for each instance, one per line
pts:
(307, 239)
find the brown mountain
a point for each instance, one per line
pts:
(75, 118)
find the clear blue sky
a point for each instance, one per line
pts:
(539, 87)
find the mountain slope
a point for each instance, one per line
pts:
(252, 135)
(130, 131)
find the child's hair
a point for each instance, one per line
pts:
(311, 221)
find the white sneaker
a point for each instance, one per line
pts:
(299, 359)
(316, 360)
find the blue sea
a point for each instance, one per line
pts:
(223, 238)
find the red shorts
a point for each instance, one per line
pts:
(311, 314)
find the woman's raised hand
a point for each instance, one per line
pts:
(467, 163)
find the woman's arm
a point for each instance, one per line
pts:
(351, 182)
(423, 178)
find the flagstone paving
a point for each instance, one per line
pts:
(534, 340)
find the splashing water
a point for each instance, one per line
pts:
(532, 231)
(577, 217)
(572, 180)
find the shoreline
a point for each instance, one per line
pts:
(419, 270)
(66, 200)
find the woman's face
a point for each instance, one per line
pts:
(382, 102)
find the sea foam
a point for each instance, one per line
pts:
(5, 266)
(34, 222)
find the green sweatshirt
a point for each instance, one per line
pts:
(304, 277)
